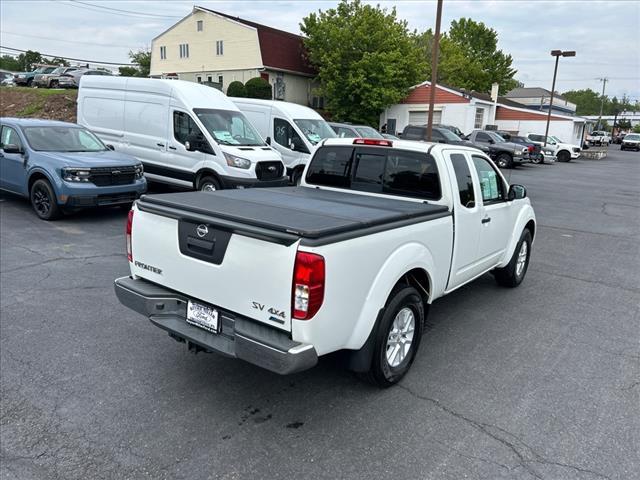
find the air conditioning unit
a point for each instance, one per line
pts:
(491, 127)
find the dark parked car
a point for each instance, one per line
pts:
(455, 130)
(62, 167)
(504, 154)
(619, 137)
(347, 130)
(438, 135)
(537, 153)
(26, 79)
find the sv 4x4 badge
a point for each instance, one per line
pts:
(273, 311)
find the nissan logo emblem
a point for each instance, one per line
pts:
(202, 230)
(272, 168)
(115, 172)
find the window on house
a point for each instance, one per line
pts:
(199, 79)
(199, 25)
(210, 79)
(163, 53)
(220, 79)
(479, 118)
(184, 50)
(219, 47)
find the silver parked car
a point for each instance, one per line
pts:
(51, 79)
(72, 79)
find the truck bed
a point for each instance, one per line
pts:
(285, 215)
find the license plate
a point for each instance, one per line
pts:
(202, 316)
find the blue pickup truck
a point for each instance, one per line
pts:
(62, 167)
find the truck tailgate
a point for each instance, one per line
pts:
(246, 275)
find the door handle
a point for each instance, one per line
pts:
(160, 144)
(172, 148)
(486, 219)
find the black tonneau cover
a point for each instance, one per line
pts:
(287, 214)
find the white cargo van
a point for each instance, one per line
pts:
(291, 129)
(184, 133)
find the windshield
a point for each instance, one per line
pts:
(229, 127)
(59, 70)
(449, 135)
(315, 130)
(63, 139)
(368, 132)
(555, 139)
(495, 137)
(632, 136)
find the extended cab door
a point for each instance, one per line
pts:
(467, 219)
(495, 212)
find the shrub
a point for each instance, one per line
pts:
(236, 89)
(258, 88)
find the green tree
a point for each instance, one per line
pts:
(469, 57)
(142, 58)
(258, 88)
(236, 89)
(366, 59)
(636, 129)
(7, 62)
(587, 101)
(623, 124)
(57, 61)
(28, 60)
(128, 71)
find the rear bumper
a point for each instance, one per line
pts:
(239, 337)
(235, 182)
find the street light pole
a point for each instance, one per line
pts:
(434, 70)
(557, 54)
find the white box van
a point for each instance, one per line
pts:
(291, 129)
(185, 134)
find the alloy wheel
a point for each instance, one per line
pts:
(400, 337)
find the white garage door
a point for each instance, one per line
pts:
(419, 117)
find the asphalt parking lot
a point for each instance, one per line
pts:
(542, 381)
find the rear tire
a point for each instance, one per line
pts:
(43, 200)
(30, 82)
(296, 177)
(397, 338)
(53, 84)
(513, 274)
(209, 184)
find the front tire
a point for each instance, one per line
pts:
(209, 184)
(513, 274)
(564, 156)
(504, 160)
(397, 338)
(43, 200)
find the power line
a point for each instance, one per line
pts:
(65, 41)
(126, 13)
(72, 59)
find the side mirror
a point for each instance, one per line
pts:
(516, 192)
(268, 140)
(110, 147)
(11, 148)
(189, 146)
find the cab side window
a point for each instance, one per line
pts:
(9, 136)
(464, 180)
(284, 134)
(345, 133)
(491, 184)
(483, 137)
(184, 127)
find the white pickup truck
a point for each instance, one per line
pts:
(599, 137)
(348, 261)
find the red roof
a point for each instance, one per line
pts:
(280, 50)
(421, 94)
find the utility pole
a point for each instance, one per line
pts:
(434, 70)
(604, 84)
(557, 54)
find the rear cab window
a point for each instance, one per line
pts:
(379, 170)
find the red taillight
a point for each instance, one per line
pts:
(308, 285)
(373, 141)
(531, 148)
(128, 235)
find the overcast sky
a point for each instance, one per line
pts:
(605, 34)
